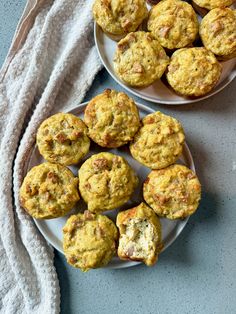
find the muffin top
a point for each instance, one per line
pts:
(212, 4)
(89, 240)
(193, 71)
(106, 181)
(174, 23)
(140, 234)
(218, 32)
(49, 191)
(62, 138)
(139, 59)
(112, 119)
(119, 17)
(158, 142)
(173, 192)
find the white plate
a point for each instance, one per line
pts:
(158, 92)
(51, 229)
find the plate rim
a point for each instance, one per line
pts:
(124, 263)
(186, 101)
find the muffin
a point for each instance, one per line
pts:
(89, 240)
(212, 4)
(159, 142)
(193, 72)
(140, 235)
(112, 119)
(174, 23)
(119, 17)
(139, 59)
(106, 181)
(218, 32)
(49, 191)
(173, 192)
(62, 138)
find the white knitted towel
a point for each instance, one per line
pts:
(51, 64)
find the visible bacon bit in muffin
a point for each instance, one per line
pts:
(149, 120)
(137, 67)
(164, 31)
(162, 199)
(61, 138)
(100, 232)
(28, 189)
(72, 260)
(88, 215)
(100, 163)
(78, 134)
(126, 23)
(123, 47)
(53, 177)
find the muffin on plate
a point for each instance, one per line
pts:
(212, 4)
(174, 23)
(106, 181)
(159, 142)
(173, 192)
(193, 71)
(140, 235)
(139, 59)
(112, 119)
(89, 240)
(119, 17)
(62, 138)
(49, 191)
(218, 32)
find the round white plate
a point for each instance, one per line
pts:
(51, 229)
(158, 92)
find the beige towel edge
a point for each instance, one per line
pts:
(23, 27)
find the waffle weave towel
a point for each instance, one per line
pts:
(51, 64)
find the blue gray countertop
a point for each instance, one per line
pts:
(197, 273)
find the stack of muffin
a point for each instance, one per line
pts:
(106, 181)
(166, 41)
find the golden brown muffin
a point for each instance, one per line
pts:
(218, 32)
(159, 141)
(106, 181)
(139, 59)
(193, 71)
(62, 138)
(212, 4)
(112, 118)
(119, 17)
(140, 235)
(89, 240)
(174, 23)
(173, 192)
(49, 191)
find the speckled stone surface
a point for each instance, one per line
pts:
(197, 274)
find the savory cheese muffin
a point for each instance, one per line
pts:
(139, 59)
(173, 192)
(119, 17)
(159, 141)
(193, 71)
(89, 240)
(218, 32)
(62, 138)
(106, 181)
(174, 23)
(49, 191)
(112, 119)
(140, 235)
(212, 4)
